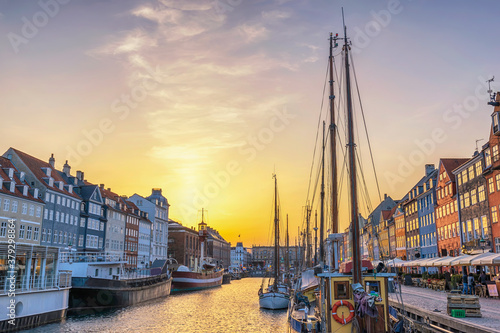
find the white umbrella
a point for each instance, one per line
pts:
(487, 258)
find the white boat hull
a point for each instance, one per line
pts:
(274, 300)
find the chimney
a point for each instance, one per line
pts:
(385, 196)
(52, 161)
(429, 168)
(79, 175)
(109, 189)
(66, 168)
(101, 186)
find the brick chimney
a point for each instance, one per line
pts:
(66, 168)
(52, 161)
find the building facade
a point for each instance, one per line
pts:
(184, 244)
(61, 213)
(20, 209)
(240, 256)
(426, 218)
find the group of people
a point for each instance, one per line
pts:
(469, 284)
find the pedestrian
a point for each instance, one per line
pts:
(464, 282)
(470, 282)
(482, 278)
(447, 279)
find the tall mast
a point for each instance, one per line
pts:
(322, 216)
(308, 241)
(315, 237)
(333, 148)
(356, 258)
(287, 258)
(276, 232)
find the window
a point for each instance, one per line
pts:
(49, 235)
(58, 200)
(477, 229)
(51, 214)
(60, 237)
(473, 197)
(494, 216)
(67, 218)
(465, 178)
(487, 157)
(497, 245)
(52, 198)
(3, 229)
(80, 240)
(82, 222)
(38, 211)
(6, 205)
(45, 214)
(14, 206)
(470, 170)
(29, 232)
(341, 290)
(495, 153)
(32, 210)
(56, 236)
(481, 193)
(466, 200)
(35, 233)
(47, 197)
(479, 168)
(21, 231)
(484, 222)
(66, 238)
(63, 201)
(491, 185)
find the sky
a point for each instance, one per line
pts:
(207, 99)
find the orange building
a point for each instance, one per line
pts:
(446, 209)
(399, 221)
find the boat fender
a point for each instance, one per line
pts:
(339, 320)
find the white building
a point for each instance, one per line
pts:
(240, 256)
(156, 205)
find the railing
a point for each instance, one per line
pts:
(21, 283)
(65, 257)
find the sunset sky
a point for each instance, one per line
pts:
(207, 99)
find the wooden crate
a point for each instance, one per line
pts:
(473, 313)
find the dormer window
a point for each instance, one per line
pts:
(487, 157)
(12, 186)
(25, 190)
(47, 171)
(1, 183)
(51, 181)
(496, 121)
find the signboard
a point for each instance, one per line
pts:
(492, 289)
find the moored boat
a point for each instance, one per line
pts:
(204, 275)
(37, 293)
(276, 295)
(100, 282)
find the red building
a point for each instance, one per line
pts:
(131, 233)
(492, 173)
(446, 209)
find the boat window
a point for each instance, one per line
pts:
(110, 271)
(373, 287)
(341, 290)
(96, 272)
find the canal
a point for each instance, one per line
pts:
(231, 308)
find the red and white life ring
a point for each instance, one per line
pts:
(339, 320)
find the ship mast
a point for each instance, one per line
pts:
(287, 258)
(322, 210)
(276, 233)
(333, 148)
(356, 258)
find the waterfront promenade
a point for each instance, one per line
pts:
(431, 300)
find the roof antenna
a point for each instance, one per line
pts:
(492, 101)
(477, 149)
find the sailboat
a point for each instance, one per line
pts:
(276, 295)
(205, 273)
(343, 288)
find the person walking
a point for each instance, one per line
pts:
(470, 282)
(464, 282)
(482, 278)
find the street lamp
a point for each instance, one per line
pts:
(482, 242)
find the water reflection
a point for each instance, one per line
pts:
(230, 308)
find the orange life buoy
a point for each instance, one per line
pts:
(339, 320)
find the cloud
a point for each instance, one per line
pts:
(132, 42)
(275, 15)
(253, 32)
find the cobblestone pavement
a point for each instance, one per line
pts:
(431, 300)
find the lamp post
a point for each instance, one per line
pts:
(482, 242)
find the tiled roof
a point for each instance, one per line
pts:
(451, 164)
(6, 163)
(36, 165)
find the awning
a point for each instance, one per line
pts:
(394, 262)
(487, 258)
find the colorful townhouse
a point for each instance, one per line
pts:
(400, 230)
(61, 215)
(426, 217)
(473, 206)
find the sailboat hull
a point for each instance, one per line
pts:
(274, 300)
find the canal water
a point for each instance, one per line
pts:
(230, 308)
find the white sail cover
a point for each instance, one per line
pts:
(308, 279)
